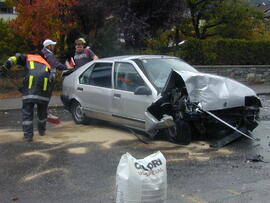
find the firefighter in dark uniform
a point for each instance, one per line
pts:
(35, 91)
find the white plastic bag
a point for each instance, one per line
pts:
(142, 180)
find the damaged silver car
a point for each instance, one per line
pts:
(161, 95)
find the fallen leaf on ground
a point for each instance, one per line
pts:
(15, 199)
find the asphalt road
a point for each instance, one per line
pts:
(76, 163)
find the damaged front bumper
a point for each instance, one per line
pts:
(153, 124)
(197, 100)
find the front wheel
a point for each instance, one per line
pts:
(77, 113)
(180, 133)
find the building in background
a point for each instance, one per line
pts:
(265, 8)
(7, 13)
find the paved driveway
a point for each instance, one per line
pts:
(77, 163)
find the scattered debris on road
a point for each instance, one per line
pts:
(256, 158)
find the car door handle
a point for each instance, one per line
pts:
(80, 88)
(117, 96)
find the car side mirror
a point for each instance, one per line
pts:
(142, 90)
(67, 72)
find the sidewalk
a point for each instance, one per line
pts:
(16, 103)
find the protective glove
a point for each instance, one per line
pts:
(8, 64)
(2, 71)
(52, 75)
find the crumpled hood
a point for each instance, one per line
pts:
(215, 92)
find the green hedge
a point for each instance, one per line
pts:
(225, 52)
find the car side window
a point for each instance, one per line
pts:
(85, 76)
(98, 75)
(126, 77)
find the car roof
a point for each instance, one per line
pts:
(130, 57)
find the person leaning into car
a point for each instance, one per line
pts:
(82, 54)
(48, 48)
(47, 51)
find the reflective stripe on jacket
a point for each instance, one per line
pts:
(36, 84)
(37, 58)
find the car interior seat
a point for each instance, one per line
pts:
(130, 82)
(120, 82)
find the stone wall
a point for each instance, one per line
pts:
(253, 74)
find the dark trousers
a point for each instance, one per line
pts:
(28, 115)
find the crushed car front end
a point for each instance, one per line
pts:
(190, 98)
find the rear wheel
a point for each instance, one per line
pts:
(77, 113)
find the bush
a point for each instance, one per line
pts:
(10, 43)
(225, 52)
(215, 51)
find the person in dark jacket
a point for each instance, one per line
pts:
(35, 90)
(47, 51)
(48, 48)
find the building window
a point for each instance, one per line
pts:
(4, 9)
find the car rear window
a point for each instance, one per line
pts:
(98, 75)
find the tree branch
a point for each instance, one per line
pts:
(199, 2)
(213, 25)
(210, 35)
(205, 28)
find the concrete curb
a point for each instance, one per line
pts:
(16, 103)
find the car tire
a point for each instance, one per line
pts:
(180, 133)
(77, 114)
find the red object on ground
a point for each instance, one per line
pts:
(53, 119)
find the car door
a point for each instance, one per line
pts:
(94, 90)
(127, 106)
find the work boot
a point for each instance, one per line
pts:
(28, 139)
(41, 133)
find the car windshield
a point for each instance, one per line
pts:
(158, 69)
